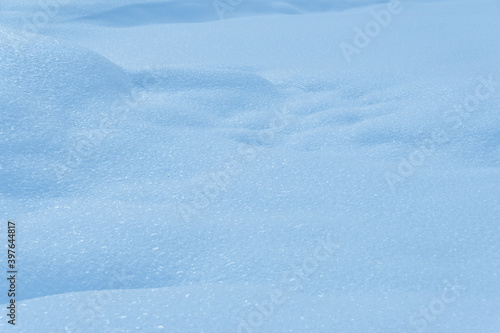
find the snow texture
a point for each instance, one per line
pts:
(280, 166)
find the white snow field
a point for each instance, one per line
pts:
(251, 166)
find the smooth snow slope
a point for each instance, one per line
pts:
(132, 12)
(243, 176)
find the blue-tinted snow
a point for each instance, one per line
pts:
(241, 175)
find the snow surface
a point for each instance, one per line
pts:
(172, 171)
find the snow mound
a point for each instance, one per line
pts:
(49, 90)
(31, 65)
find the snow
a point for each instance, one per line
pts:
(172, 171)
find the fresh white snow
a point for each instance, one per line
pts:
(172, 171)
